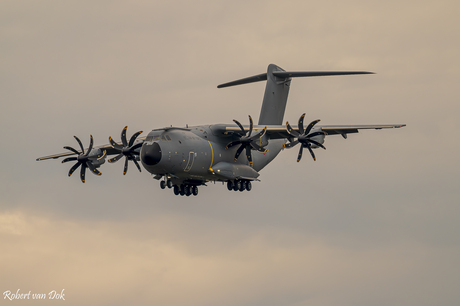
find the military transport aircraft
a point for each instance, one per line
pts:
(183, 158)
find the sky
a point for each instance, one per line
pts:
(373, 221)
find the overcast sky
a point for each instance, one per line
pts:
(374, 221)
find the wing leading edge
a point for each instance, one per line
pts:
(279, 131)
(110, 151)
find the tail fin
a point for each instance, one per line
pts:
(277, 90)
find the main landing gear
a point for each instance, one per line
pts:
(239, 185)
(183, 189)
(186, 190)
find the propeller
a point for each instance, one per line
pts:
(246, 141)
(84, 159)
(304, 138)
(127, 149)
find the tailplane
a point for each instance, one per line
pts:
(277, 90)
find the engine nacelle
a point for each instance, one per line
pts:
(97, 157)
(318, 138)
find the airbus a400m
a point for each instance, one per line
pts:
(184, 158)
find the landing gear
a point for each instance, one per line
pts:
(162, 184)
(230, 185)
(176, 190)
(239, 185)
(185, 190)
(248, 185)
(169, 184)
(195, 190)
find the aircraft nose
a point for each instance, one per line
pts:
(151, 154)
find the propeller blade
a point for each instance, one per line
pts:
(82, 172)
(238, 152)
(74, 167)
(241, 127)
(69, 159)
(115, 145)
(291, 144)
(251, 125)
(301, 129)
(125, 169)
(311, 125)
(133, 138)
(137, 145)
(123, 137)
(72, 149)
(249, 154)
(233, 143)
(316, 143)
(103, 155)
(137, 164)
(91, 142)
(81, 146)
(316, 134)
(311, 152)
(300, 153)
(116, 158)
(291, 131)
(93, 169)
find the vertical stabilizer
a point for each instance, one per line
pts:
(275, 97)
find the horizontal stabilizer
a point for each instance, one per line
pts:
(297, 74)
(256, 78)
(290, 74)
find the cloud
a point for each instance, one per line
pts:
(118, 262)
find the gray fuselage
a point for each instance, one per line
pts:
(190, 153)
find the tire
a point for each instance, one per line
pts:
(194, 190)
(230, 185)
(242, 186)
(176, 190)
(237, 185)
(169, 184)
(163, 184)
(248, 185)
(187, 190)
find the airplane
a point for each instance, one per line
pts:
(184, 158)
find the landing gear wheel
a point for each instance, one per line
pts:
(182, 190)
(230, 185)
(248, 185)
(169, 184)
(176, 190)
(163, 184)
(194, 190)
(237, 185)
(243, 186)
(187, 190)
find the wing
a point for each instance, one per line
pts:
(107, 147)
(279, 131)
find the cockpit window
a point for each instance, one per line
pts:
(167, 137)
(152, 138)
